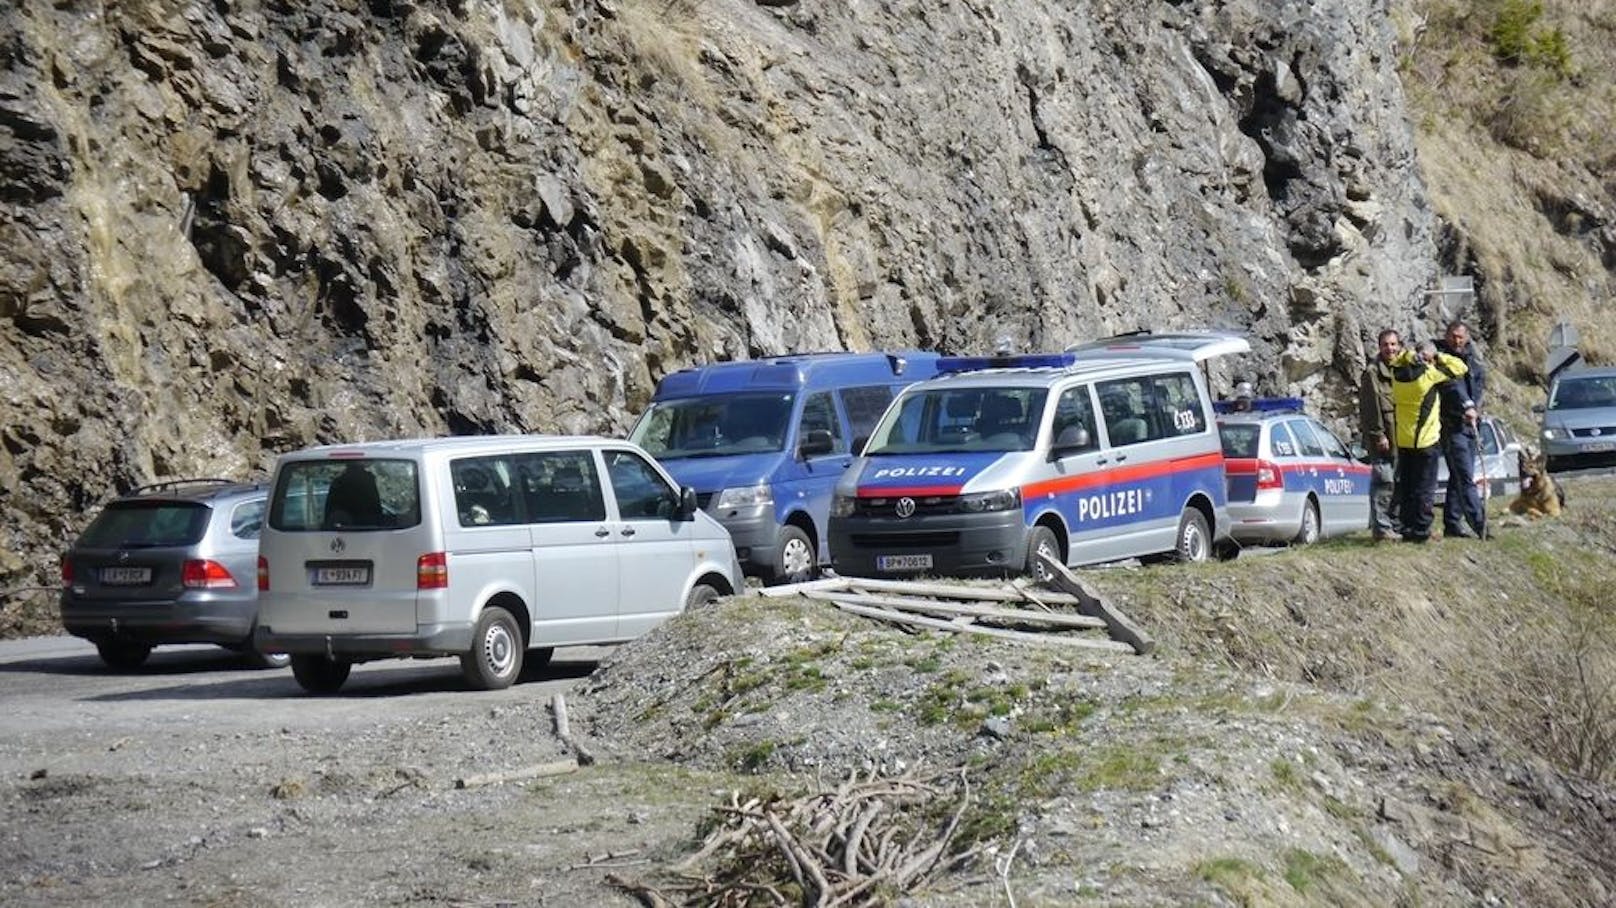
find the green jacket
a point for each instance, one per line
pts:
(1375, 409)
(1415, 389)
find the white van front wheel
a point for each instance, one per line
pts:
(496, 653)
(1194, 542)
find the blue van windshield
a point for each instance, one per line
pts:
(715, 426)
(961, 419)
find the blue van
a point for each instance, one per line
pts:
(763, 442)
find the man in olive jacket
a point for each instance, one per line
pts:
(1377, 427)
(1418, 378)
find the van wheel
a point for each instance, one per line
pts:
(320, 674)
(1040, 542)
(1309, 531)
(1194, 542)
(496, 651)
(252, 658)
(797, 561)
(124, 655)
(701, 594)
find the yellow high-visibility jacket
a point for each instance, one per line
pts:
(1415, 389)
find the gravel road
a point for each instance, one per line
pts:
(195, 781)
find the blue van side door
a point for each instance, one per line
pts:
(808, 481)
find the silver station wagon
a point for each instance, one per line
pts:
(1290, 480)
(1579, 421)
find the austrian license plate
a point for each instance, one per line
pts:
(903, 562)
(125, 576)
(1599, 447)
(342, 576)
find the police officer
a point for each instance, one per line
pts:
(1377, 427)
(1463, 513)
(1418, 378)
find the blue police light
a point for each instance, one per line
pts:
(1019, 361)
(1260, 405)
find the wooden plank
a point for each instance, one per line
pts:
(792, 589)
(539, 771)
(1093, 604)
(950, 608)
(1110, 646)
(1004, 593)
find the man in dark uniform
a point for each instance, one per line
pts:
(1463, 513)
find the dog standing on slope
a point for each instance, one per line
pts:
(1540, 495)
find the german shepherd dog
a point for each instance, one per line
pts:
(1540, 495)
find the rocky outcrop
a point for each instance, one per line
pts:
(235, 228)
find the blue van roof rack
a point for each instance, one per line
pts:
(1260, 405)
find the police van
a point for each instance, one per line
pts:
(763, 442)
(1106, 451)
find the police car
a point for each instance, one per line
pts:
(1290, 480)
(1103, 452)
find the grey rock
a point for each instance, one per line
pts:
(996, 727)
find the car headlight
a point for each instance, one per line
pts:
(1002, 500)
(842, 506)
(1550, 434)
(744, 497)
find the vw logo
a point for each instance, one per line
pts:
(122, 557)
(905, 507)
(337, 545)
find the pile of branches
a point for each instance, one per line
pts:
(868, 841)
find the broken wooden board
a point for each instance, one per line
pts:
(1113, 646)
(909, 604)
(1093, 604)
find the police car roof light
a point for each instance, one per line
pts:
(1262, 405)
(1018, 361)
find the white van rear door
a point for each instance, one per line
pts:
(1198, 345)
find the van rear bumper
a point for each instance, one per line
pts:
(428, 640)
(198, 617)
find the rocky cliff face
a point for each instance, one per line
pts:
(234, 228)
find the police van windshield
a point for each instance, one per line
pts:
(961, 419)
(715, 426)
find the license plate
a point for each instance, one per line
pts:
(125, 576)
(903, 562)
(1599, 447)
(341, 576)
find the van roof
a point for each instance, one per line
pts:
(796, 372)
(1043, 376)
(412, 447)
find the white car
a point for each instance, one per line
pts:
(1500, 458)
(493, 549)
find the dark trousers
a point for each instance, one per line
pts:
(1463, 500)
(1416, 490)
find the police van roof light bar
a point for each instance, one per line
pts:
(1261, 405)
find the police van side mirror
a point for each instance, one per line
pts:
(816, 442)
(1359, 452)
(1072, 440)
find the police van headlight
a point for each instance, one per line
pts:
(842, 506)
(745, 497)
(1002, 500)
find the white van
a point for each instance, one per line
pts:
(1104, 452)
(488, 548)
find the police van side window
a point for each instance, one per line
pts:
(819, 414)
(1126, 403)
(1280, 441)
(561, 487)
(1074, 421)
(1178, 405)
(1306, 442)
(484, 492)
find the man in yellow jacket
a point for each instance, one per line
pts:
(1418, 377)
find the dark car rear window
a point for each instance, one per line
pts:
(147, 524)
(350, 494)
(1240, 439)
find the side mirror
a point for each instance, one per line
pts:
(816, 442)
(1072, 440)
(1537, 408)
(1360, 453)
(688, 505)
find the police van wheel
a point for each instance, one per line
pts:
(1194, 542)
(1309, 532)
(796, 562)
(496, 653)
(1041, 541)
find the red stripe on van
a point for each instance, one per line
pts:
(1131, 473)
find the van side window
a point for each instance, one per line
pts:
(641, 491)
(864, 406)
(1279, 439)
(561, 487)
(819, 414)
(1178, 405)
(1305, 440)
(1074, 421)
(1126, 403)
(484, 492)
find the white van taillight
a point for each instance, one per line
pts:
(263, 574)
(1269, 476)
(206, 575)
(67, 571)
(432, 571)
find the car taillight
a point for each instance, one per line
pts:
(263, 574)
(1268, 475)
(203, 574)
(432, 571)
(67, 572)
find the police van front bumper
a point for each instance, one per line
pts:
(955, 544)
